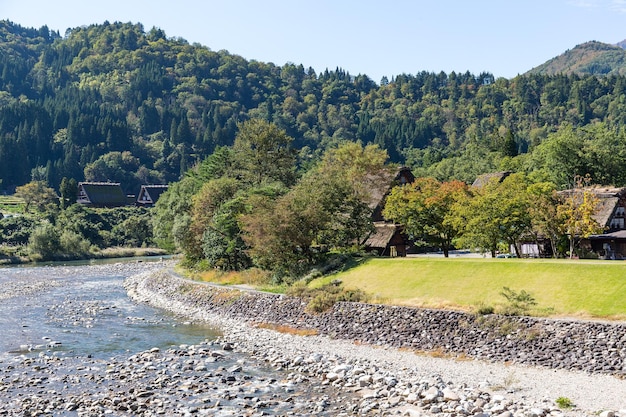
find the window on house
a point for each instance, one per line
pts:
(617, 223)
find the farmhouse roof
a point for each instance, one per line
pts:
(149, 194)
(381, 236)
(608, 200)
(379, 186)
(101, 194)
(485, 179)
(618, 234)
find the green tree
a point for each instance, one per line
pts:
(263, 153)
(44, 243)
(222, 242)
(496, 213)
(424, 208)
(545, 219)
(171, 214)
(577, 211)
(206, 203)
(69, 192)
(327, 209)
(36, 193)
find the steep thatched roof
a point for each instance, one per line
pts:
(149, 194)
(101, 194)
(485, 179)
(608, 200)
(381, 236)
(380, 185)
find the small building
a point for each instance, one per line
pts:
(101, 194)
(388, 239)
(610, 214)
(149, 194)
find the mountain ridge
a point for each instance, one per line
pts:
(589, 58)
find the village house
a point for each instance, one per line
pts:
(609, 214)
(149, 194)
(387, 239)
(101, 194)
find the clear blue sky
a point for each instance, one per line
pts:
(377, 38)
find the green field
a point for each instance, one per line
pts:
(10, 204)
(576, 288)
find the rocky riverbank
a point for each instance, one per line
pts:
(57, 375)
(369, 351)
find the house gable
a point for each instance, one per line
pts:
(101, 194)
(149, 194)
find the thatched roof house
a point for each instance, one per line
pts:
(101, 194)
(387, 239)
(149, 194)
(611, 215)
(611, 202)
(485, 179)
(379, 187)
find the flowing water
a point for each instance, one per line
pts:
(73, 344)
(83, 310)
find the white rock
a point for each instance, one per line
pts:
(450, 395)
(332, 376)
(365, 380)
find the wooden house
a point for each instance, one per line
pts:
(387, 239)
(610, 214)
(149, 194)
(101, 194)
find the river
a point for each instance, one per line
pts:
(72, 343)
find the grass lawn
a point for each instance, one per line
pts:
(576, 288)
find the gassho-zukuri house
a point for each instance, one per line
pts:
(610, 214)
(111, 194)
(387, 239)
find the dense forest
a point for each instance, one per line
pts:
(117, 102)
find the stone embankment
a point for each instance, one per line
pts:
(596, 347)
(474, 367)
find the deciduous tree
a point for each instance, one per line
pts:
(424, 209)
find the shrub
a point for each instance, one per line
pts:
(564, 403)
(323, 298)
(519, 303)
(74, 244)
(44, 243)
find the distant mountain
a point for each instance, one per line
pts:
(590, 58)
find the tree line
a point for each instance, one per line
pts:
(117, 102)
(498, 215)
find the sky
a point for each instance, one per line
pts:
(376, 38)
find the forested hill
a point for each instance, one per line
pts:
(590, 58)
(117, 102)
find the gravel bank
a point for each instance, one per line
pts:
(57, 377)
(388, 381)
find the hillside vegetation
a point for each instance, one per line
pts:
(590, 58)
(117, 101)
(560, 287)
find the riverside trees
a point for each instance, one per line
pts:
(497, 215)
(245, 206)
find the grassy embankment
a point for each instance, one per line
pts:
(579, 288)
